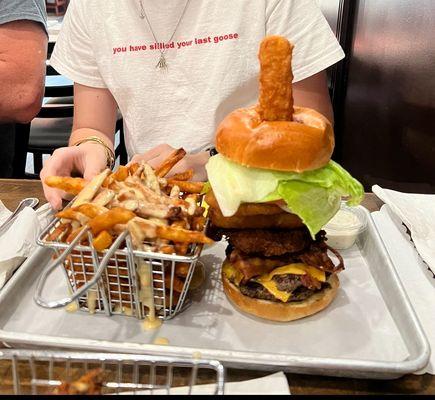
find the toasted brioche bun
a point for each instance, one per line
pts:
(306, 143)
(282, 312)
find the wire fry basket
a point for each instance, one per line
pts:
(50, 372)
(120, 280)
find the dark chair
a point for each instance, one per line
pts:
(58, 6)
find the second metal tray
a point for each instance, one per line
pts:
(369, 331)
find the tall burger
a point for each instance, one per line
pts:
(273, 187)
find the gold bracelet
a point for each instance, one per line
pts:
(110, 155)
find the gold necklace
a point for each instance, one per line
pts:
(162, 64)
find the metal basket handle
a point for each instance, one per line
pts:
(59, 261)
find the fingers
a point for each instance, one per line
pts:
(54, 197)
(59, 164)
(95, 160)
(157, 153)
(86, 160)
(92, 169)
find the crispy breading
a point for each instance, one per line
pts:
(276, 77)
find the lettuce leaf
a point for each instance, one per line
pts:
(314, 196)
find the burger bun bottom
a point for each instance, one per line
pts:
(278, 311)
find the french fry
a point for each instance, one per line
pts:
(121, 174)
(73, 215)
(183, 176)
(170, 162)
(175, 192)
(75, 232)
(192, 200)
(105, 222)
(91, 189)
(147, 210)
(166, 249)
(104, 197)
(103, 241)
(131, 205)
(150, 178)
(108, 181)
(75, 224)
(198, 223)
(60, 233)
(158, 221)
(132, 168)
(188, 187)
(67, 184)
(175, 299)
(183, 224)
(181, 248)
(115, 186)
(182, 269)
(139, 171)
(126, 194)
(178, 284)
(145, 193)
(118, 229)
(182, 235)
(151, 231)
(91, 210)
(140, 229)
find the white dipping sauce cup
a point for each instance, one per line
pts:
(343, 230)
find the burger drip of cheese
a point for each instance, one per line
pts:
(273, 188)
(146, 295)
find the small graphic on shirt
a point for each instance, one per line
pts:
(179, 45)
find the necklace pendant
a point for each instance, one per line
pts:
(162, 64)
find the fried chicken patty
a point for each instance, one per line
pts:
(267, 243)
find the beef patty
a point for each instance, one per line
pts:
(287, 283)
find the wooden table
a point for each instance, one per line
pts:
(12, 191)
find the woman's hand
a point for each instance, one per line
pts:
(156, 156)
(87, 160)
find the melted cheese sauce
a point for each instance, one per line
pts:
(72, 307)
(124, 310)
(161, 341)
(197, 355)
(146, 295)
(92, 301)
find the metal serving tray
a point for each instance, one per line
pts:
(369, 331)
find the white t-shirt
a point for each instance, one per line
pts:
(213, 64)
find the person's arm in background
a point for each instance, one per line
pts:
(94, 115)
(23, 51)
(313, 93)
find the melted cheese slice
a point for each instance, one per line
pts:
(295, 269)
(271, 287)
(267, 281)
(233, 274)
